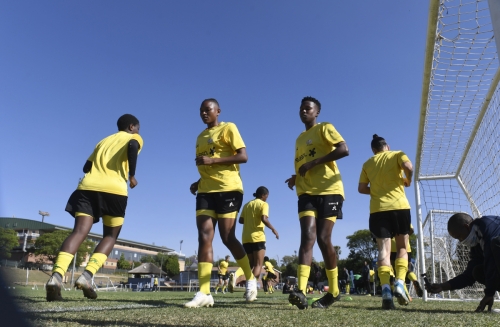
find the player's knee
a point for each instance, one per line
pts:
(324, 243)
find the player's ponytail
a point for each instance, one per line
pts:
(378, 143)
(261, 190)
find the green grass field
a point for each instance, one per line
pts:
(165, 309)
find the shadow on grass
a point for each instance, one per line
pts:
(416, 310)
(96, 322)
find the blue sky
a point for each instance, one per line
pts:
(68, 70)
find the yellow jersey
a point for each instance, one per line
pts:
(384, 174)
(218, 142)
(109, 172)
(223, 267)
(253, 227)
(269, 267)
(322, 179)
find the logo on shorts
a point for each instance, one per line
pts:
(231, 204)
(334, 204)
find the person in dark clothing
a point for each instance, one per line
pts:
(482, 235)
(365, 276)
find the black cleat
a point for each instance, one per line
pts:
(418, 289)
(326, 301)
(298, 299)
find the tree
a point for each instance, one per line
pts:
(8, 241)
(122, 263)
(289, 259)
(171, 265)
(148, 259)
(361, 245)
(49, 245)
(273, 262)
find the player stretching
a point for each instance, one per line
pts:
(270, 276)
(101, 193)
(382, 179)
(321, 194)
(219, 151)
(254, 218)
(223, 275)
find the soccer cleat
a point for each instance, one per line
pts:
(387, 303)
(251, 293)
(232, 283)
(327, 300)
(298, 299)
(84, 283)
(216, 291)
(53, 288)
(401, 294)
(200, 300)
(418, 289)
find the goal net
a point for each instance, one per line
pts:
(457, 168)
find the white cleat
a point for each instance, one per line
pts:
(200, 300)
(251, 293)
(232, 283)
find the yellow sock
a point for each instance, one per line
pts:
(95, 262)
(217, 288)
(347, 288)
(62, 263)
(238, 273)
(303, 272)
(384, 273)
(333, 281)
(245, 265)
(223, 288)
(412, 276)
(204, 273)
(401, 266)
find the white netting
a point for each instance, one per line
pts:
(457, 164)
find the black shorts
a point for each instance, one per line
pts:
(387, 224)
(326, 206)
(224, 277)
(254, 247)
(270, 275)
(220, 202)
(97, 204)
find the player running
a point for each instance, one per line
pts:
(382, 179)
(255, 217)
(321, 194)
(223, 275)
(101, 193)
(219, 151)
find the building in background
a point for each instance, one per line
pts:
(29, 230)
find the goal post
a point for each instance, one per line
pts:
(457, 168)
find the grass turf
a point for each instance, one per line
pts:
(166, 309)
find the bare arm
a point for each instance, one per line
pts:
(266, 222)
(291, 182)
(194, 187)
(339, 152)
(241, 220)
(363, 188)
(238, 158)
(408, 169)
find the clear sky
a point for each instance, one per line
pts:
(69, 69)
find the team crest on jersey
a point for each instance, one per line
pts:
(210, 141)
(309, 142)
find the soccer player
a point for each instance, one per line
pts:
(219, 151)
(223, 275)
(321, 194)
(101, 193)
(482, 236)
(270, 274)
(382, 179)
(255, 217)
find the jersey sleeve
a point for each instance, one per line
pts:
(138, 138)
(265, 209)
(402, 157)
(233, 137)
(363, 177)
(331, 135)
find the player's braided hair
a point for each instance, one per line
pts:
(125, 121)
(316, 101)
(378, 142)
(261, 190)
(210, 100)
